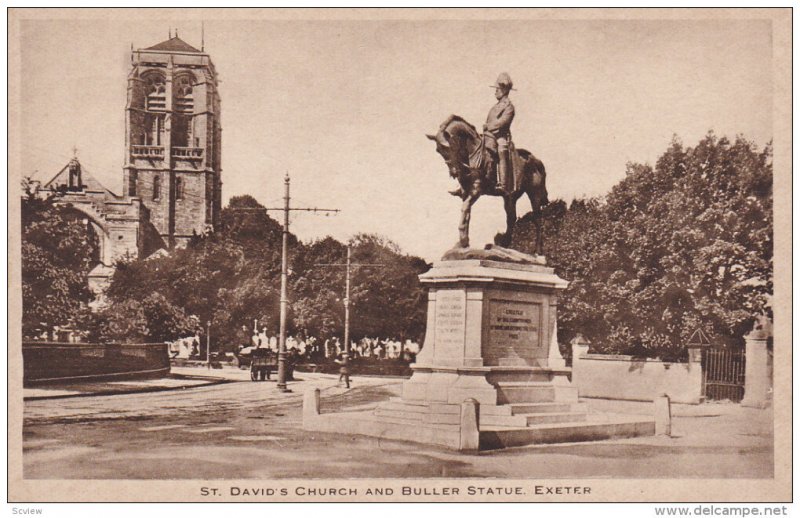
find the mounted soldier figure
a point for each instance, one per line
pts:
(497, 135)
(490, 164)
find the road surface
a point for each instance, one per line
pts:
(244, 429)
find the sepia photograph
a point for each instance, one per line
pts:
(385, 255)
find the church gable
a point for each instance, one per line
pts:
(73, 177)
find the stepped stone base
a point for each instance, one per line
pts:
(491, 351)
(442, 428)
(512, 414)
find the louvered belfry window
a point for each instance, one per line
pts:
(156, 89)
(184, 99)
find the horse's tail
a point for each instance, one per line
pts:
(530, 183)
(543, 184)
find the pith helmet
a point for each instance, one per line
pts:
(504, 81)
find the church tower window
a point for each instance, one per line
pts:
(156, 91)
(156, 187)
(178, 188)
(184, 98)
(184, 109)
(155, 106)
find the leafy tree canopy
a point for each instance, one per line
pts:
(232, 278)
(59, 249)
(672, 248)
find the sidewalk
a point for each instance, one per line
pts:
(180, 378)
(176, 381)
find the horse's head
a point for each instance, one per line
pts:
(443, 147)
(453, 142)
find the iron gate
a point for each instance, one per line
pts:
(723, 374)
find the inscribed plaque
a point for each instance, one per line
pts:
(514, 328)
(451, 312)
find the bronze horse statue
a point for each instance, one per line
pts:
(467, 158)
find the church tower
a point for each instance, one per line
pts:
(172, 139)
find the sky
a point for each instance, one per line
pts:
(344, 106)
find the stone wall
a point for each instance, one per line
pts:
(54, 361)
(636, 379)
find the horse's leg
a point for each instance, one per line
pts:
(536, 207)
(466, 213)
(510, 205)
(539, 230)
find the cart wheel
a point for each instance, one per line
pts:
(253, 374)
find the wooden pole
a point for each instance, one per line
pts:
(346, 356)
(208, 345)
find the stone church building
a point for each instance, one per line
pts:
(172, 186)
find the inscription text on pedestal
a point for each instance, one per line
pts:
(514, 328)
(451, 310)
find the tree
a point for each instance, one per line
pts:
(232, 277)
(121, 322)
(165, 321)
(59, 249)
(249, 299)
(389, 302)
(228, 278)
(318, 291)
(675, 247)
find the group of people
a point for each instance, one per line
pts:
(314, 350)
(305, 349)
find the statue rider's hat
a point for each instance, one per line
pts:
(504, 81)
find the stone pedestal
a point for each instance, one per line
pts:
(490, 362)
(489, 322)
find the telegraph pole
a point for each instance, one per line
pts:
(346, 357)
(284, 303)
(284, 279)
(348, 269)
(208, 345)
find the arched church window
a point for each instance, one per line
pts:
(155, 88)
(184, 93)
(155, 92)
(183, 102)
(156, 187)
(178, 188)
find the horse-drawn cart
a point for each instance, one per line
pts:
(262, 362)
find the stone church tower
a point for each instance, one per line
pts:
(171, 174)
(173, 139)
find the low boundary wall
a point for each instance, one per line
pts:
(637, 379)
(51, 362)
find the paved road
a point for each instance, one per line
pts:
(250, 430)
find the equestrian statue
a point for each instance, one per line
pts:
(489, 164)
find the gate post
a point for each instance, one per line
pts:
(695, 355)
(756, 369)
